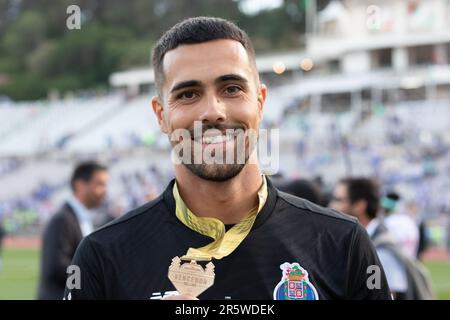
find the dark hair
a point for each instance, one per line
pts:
(84, 172)
(389, 201)
(364, 189)
(393, 196)
(193, 31)
(304, 189)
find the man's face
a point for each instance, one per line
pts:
(94, 190)
(341, 201)
(214, 84)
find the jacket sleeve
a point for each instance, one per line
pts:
(86, 280)
(365, 275)
(57, 251)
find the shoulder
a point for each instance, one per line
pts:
(304, 207)
(338, 234)
(147, 216)
(63, 216)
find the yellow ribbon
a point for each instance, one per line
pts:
(224, 242)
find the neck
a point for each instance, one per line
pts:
(364, 220)
(229, 201)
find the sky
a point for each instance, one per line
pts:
(252, 7)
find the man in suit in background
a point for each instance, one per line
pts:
(68, 226)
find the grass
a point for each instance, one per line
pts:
(440, 276)
(20, 272)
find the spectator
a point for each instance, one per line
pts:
(401, 226)
(406, 277)
(304, 189)
(68, 226)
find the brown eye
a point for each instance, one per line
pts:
(232, 90)
(187, 95)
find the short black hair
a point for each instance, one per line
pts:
(393, 195)
(84, 172)
(304, 189)
(367, 189)
(389, 201)
(197, 30)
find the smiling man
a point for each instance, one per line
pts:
(241, 238)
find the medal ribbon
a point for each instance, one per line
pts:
(224, 242)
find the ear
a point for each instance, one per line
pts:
(261, 99)
(79, 187)
(158, 109)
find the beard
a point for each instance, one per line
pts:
(94, 201)
(224, 170)
(215, 172)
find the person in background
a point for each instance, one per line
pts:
(359, 197)
(302, 188)
(407, 278)
(401, 225)
(68, 226)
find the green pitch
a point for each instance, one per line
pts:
(20, 272)
(440, 275)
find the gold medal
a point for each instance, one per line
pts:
(190, 278)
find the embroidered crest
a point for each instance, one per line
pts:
(294, 284)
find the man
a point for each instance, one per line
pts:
(264, 244)
(68, 226)
(360, 198)
(400, 224)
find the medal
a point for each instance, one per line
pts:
(190, 278)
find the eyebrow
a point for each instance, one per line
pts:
(185, 84)
(230, 77)
(195, 83)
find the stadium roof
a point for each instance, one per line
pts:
(265, 64)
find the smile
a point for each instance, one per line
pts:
(216, 139)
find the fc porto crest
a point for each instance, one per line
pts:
(294, 284)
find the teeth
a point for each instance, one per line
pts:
(216, 139)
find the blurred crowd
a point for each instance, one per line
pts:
(27, 214)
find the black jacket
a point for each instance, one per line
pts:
(61, 238)
(129, 258)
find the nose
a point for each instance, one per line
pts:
(214, 110)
